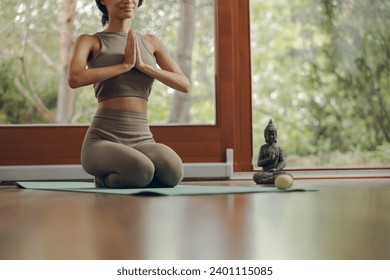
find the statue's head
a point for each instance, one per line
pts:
(270, 133)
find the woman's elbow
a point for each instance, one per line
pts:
(185, 86)
(72, 85)
(185, 89)
(73, 81)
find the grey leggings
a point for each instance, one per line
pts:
(119, 149)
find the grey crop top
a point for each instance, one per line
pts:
(131, 83)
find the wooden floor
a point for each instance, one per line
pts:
(345, 219)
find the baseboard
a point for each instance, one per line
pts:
(75, 172)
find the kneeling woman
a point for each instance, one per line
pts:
(119, 149)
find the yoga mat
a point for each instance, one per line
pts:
(178, 190)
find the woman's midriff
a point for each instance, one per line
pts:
(130, 103)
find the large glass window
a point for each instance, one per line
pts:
(321, 72)
(37, 39)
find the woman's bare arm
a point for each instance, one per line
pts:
(170, 74)
(79, 75)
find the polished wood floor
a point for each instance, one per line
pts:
(345, 219)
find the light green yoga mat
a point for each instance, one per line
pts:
(178, 190)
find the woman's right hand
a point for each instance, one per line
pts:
(130, 50)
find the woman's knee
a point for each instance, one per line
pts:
(169, 166)
(173, 179)
(137, 174)
(120, 165)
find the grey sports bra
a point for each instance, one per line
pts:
(131, 83)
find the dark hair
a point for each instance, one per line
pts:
(103, 9)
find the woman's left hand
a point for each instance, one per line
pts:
(139, 64)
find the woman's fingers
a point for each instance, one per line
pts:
(130, 50)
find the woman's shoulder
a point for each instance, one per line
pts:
(151, 41)
(87, 38)
(151, 38)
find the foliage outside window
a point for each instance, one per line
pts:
(37, 40)
(321, 71)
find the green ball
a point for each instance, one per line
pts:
(283, 181)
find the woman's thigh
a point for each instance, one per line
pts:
(105, 158)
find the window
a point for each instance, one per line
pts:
(320, 70)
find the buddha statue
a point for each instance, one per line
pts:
(271, 157)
